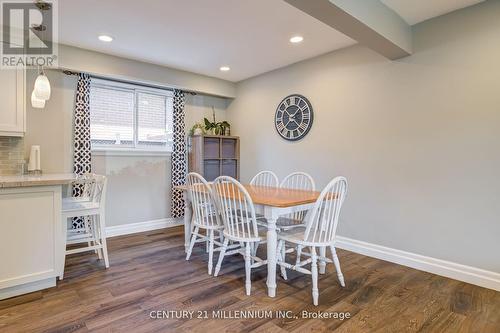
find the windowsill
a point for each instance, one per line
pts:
(128, 152)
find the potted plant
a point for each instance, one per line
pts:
(197, 129)
(226, 128)
(217, 128)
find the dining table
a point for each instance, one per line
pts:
(271, 203)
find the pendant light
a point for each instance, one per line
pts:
(41, 91)
(36, 102)
(42, 86)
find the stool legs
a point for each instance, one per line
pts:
(95, 228)
(102, 226)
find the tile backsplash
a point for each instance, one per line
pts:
(11, 155)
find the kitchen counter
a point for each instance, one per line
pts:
(31, 232)
(36, 180)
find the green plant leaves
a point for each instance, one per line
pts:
(218, 128)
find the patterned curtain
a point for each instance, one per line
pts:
(179, 162)
(82, 158)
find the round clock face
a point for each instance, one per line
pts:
(294, 117)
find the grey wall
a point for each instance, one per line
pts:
(200, 106)
(139, 186)
(52, 127)
(418, 138)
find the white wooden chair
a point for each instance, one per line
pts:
(205, 216)
(240, 224)
(320, 231)
(296, 181)
(265, 178)
(91, 207)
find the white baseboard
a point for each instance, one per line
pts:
(132, 228)
(473, 275)
(27, 288)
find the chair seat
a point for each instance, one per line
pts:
(260, 229)
(76, 205)
(70, 200)
(205, 224)
(295, 235)
(285, 223)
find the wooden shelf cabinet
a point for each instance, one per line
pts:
(215, 155)
(13, 106)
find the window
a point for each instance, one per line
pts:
(130, 116)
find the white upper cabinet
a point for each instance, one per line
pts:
(12, 102)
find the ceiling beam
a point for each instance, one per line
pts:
(370, 23)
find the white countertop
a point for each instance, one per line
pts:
(38, 180)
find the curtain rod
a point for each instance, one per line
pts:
(67, 72)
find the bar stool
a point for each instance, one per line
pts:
(91, 208)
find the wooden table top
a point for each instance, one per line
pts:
(275, 196)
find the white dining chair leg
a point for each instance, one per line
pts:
(210, 251)
(207, 243)
(322, 262)
(299, 253)
(314, 274)
(255, 248)
(281, 257)
(248, 269)
(253, 251)
(221, 256)
(193, 241)
(336, 262)
(102, 228)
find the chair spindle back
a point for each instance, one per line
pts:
(265, 178)
(203, 201)
(298, 181)
(236, 208)
(322, 226)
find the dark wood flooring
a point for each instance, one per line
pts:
(148, 273)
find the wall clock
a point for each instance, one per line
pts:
(294, 117)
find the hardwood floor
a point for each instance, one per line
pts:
(149, 273)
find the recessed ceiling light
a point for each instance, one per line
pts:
(224, 69)
(105, 38)
(296, 39)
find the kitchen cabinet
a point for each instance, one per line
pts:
(31, 231)
(12, 102)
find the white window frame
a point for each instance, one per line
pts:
(135, 148)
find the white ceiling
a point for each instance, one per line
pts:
(416, 11)
(251, 37)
